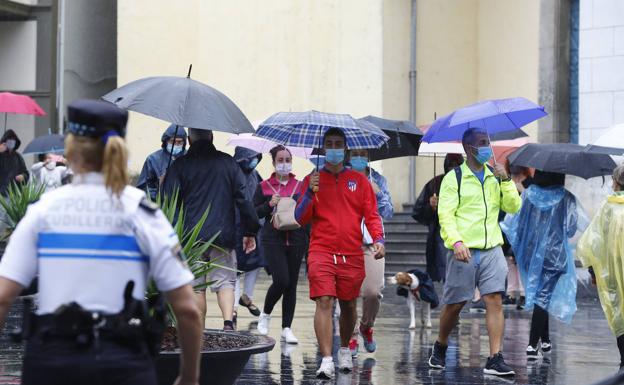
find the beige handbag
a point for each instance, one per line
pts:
(284, 213)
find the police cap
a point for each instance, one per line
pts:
(96, 119)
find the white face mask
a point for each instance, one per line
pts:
(283, 169)
(10, 144)
(51, 166)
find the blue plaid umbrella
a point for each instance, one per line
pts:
(306, 129)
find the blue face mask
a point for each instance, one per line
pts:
(174, 150)
(334, 156)
(253, 163)
(483, 154)
(359, 163)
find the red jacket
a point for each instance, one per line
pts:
(336, 212)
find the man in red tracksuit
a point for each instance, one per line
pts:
(335, 202)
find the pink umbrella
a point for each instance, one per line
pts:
(11, 103)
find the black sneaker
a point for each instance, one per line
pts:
(520, 305)
(496, 366)
(546, 346)
(509, 301)
(438, 356)
(533, 353)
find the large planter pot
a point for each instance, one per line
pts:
(218, 367)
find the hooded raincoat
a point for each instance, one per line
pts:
(11, 163)
(539, 236)
(248, 262)
(602, 248)
(156, 163)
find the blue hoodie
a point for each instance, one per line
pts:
(156, 163)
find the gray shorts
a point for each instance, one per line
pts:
(221, 278)
(486, 270)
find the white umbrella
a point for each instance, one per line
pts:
(263, 146)
(613, 137)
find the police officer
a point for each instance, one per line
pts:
(89, 242)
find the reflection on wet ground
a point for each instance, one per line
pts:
(583, 353)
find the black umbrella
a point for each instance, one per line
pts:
(46, 144)
(563, 158)
(605, 150)
(404, 138)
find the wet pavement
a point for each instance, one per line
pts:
(583, 353)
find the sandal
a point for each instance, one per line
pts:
(246, 302)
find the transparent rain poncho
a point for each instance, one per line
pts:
(602, 248)
(540, 238)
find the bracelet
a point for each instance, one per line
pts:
(455, 244)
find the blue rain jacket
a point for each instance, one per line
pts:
(539, 236)
(156, 163)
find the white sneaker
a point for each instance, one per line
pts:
(289, 337)
(345, 360)
(263, 323)
(326, 370)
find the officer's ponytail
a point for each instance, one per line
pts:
(108, 156)
(114, 164)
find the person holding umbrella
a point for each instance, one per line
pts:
(12, 166)
(468, 208)
(374, 281)
(539, 235)
(206, 178)
(336, 200)
(600, 249)
(173, 146)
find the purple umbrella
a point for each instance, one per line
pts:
(498, 115)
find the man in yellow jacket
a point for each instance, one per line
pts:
(471, 198)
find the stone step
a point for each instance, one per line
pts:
(400, 226)
(406, 244)
(399, 237)
(401, 219)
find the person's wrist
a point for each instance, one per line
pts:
(456, 244)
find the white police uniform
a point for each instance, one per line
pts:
(86, 244)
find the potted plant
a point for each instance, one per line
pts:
(14, 206)
(224, 354)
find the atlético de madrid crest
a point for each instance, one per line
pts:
(352, 185)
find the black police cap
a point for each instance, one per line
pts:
(96, 118)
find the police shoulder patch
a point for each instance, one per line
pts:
(148, 205)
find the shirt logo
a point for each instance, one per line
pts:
(352, 185)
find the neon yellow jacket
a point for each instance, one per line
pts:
(473, 218)
(602, 248)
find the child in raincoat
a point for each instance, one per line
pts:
(539, 236)
(602, 248)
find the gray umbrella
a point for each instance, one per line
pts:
(182, 101)
(563, 158)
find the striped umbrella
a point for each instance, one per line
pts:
(306, 129)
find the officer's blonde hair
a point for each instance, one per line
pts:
(111, 159)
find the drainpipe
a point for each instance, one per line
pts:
(60, 65)
(412, 101)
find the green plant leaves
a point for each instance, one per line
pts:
(15, 203)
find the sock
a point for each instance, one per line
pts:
(327, 359)
(228, 323)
